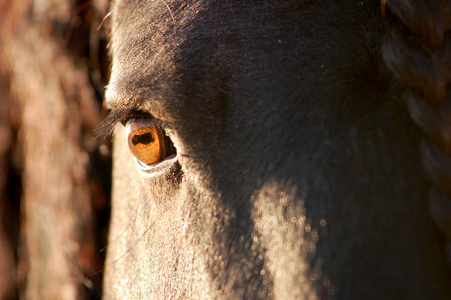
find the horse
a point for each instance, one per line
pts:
(279, 149)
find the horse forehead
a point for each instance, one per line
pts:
(162, 53)
(155, 44)
(145, 39)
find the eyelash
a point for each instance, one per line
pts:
(106, 127)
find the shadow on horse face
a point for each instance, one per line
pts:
(296, 172)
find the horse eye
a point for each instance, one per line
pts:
(146, 140)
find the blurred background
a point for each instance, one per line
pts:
(54, 175)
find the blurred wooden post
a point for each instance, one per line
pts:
(58, 106)
(7, 260)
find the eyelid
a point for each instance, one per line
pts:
(136, 114)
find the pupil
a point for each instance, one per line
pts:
(145, 139)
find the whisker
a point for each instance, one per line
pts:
(104, 19)
(103, 268)
(142, 198)
(138, 212)
(170, 11)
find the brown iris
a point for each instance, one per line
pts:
(146, 140)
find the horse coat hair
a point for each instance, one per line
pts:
(298, 171)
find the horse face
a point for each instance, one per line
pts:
(296, 172)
